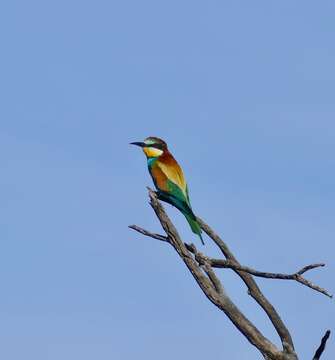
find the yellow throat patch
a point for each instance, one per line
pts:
(152, 152)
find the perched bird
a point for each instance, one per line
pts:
(169, 179)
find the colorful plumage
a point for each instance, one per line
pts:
(168, 178)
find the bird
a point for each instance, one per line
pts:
(168, 178)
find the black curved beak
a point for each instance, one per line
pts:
(140, 144)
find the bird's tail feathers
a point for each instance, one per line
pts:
(192, 220)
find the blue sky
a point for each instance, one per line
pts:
(242, 91)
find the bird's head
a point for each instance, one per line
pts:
(152, 146)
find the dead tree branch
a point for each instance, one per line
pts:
(297, 276)
(201, 267)
(148, 233)
(254, 290)
(322, 346)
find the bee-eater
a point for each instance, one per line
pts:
(169, 179)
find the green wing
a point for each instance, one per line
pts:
(176, 192)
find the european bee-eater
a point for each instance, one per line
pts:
(168, 178)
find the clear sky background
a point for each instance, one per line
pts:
(243, 92)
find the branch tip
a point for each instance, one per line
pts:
(322, 346)
(148, 233)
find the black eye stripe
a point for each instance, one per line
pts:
(157, 146)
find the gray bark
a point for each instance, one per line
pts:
(202, 269)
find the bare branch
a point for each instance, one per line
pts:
(322, 346)
(210, 285)
(297, 276)
(206, 267)
(201, 267)
(214, 279)
(309, 267)
(148, 233)
(309, 284)
(254, 290)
